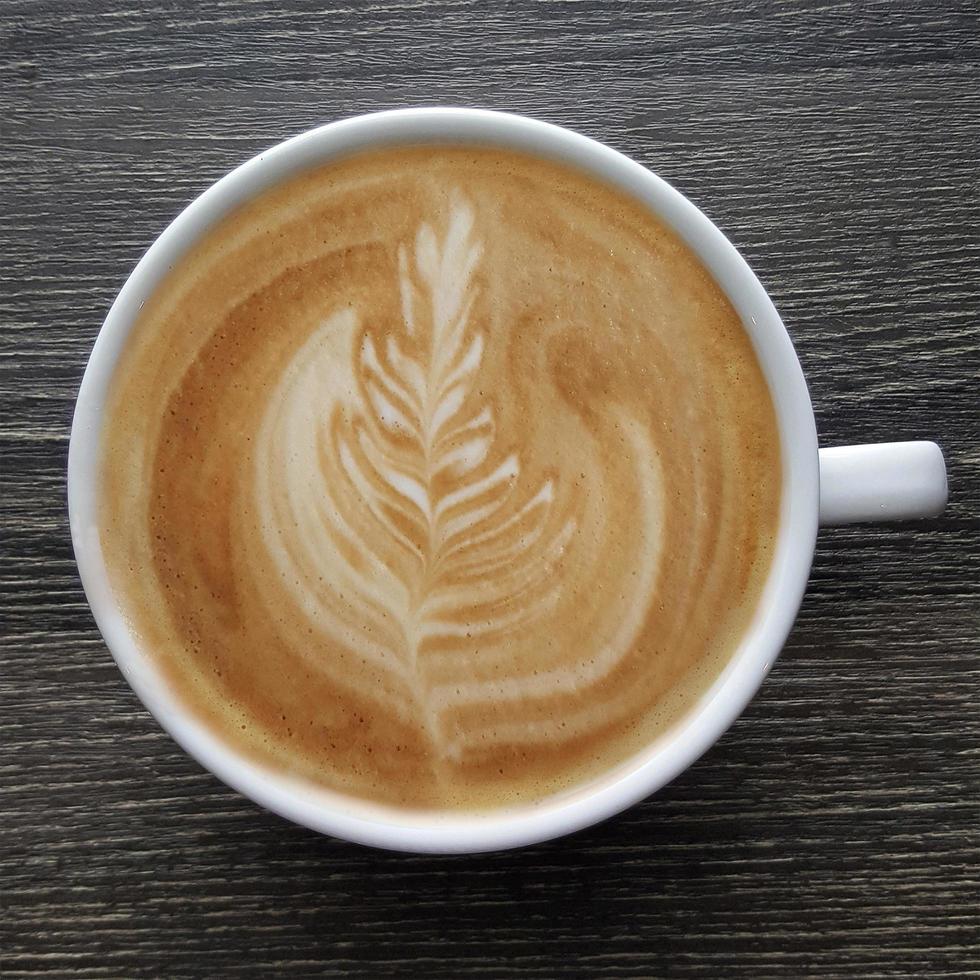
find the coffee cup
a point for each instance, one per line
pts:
(818, 486)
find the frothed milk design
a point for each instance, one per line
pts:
(383, 498)
(442, 477)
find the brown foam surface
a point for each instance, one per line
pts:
(439, 476)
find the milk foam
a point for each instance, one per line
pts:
(349, 455)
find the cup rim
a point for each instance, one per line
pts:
(701, 725)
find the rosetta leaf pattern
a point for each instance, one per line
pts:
(419, 449)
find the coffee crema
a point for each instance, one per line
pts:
(439, 476)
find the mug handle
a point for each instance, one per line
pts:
(888, 481)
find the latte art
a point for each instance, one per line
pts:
(440, 477)
(409, 536)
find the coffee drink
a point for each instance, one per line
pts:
(442, 477)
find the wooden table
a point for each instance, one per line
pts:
(835, 830)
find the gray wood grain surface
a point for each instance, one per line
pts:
(835, 830)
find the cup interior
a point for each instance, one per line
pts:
(706, 720)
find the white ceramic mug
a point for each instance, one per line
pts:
(881, 482)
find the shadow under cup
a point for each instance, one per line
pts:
(676, 748)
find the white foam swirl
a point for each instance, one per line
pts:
(405, 535)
